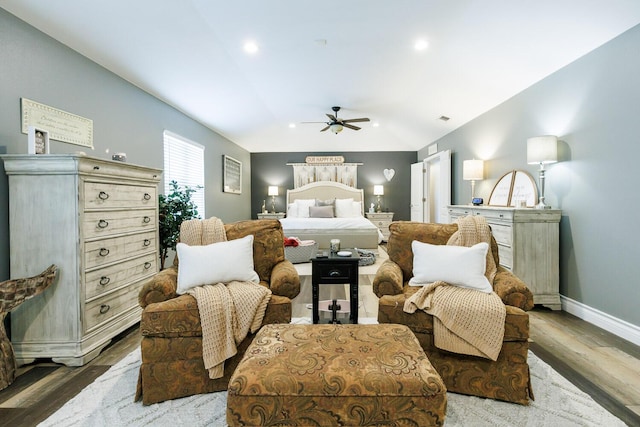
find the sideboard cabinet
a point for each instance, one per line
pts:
(97, 220)
(528, 245)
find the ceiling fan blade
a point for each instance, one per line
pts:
(332, 117)
(347, 125)
(362, 119)
(322, 130)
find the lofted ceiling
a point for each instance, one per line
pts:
(312, 55)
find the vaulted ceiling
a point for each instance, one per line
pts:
(312, 55)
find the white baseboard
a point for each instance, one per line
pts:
(603, 320)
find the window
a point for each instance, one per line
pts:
(184, 163)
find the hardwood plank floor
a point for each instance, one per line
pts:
(599, 363)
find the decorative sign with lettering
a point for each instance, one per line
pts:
(323, 159)
(512, 188)
(60, 125)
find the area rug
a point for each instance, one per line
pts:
(108, 401)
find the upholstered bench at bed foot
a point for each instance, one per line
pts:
(344, 375)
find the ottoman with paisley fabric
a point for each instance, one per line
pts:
(343, 375)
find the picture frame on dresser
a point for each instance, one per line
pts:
(232, 175)
(37, 141)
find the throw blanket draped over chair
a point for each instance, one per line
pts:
(228, 311)
(466, 321)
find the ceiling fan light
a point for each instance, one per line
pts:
(336, 128)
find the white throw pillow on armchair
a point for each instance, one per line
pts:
(457, 265)
(220, 262)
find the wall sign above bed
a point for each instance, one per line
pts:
(306, 173)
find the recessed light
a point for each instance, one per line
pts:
(375, 124)
(292, 125)
(251, 47)
(420, 45)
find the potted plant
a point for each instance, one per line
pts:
(173, 209)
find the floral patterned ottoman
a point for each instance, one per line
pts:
(335, 375)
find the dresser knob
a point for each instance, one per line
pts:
(104, 280)
(147, 265)
(146, 196)
(146, 220)
(103, 224)
(104, 308)
(103, 196)
(146, 242)
(104, 252)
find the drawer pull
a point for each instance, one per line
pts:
(104, 308)
(103, 196)
(103, 224)
(147, 242)
(146, 220)
(104, 280)
(104, 252)
(147, 196)
(335, 273)
(147, 265)
(95, 168)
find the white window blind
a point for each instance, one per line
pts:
(184, 163)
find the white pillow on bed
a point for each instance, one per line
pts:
(457, 265)
(303, 206)
(357, 210)
(344, 208)
(292, 210)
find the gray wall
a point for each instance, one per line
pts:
(592, 106)
(34, 66)
(271, 169)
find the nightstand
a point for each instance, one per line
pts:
(271, 215)
(382, 220)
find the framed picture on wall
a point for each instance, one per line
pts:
(232, 175)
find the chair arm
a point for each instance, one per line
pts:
(161, 287)
(512, 290)
(285, 280)
(388, 279)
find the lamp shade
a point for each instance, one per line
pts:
(473, 170)
(336, 128)
(273, 190)
(542, 149)
(378, 190)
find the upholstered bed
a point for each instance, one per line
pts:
(322, 211)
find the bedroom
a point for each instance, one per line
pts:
(590, 104)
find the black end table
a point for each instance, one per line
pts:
(335, 270)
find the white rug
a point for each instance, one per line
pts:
(108, 401)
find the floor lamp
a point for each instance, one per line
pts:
(542, 150)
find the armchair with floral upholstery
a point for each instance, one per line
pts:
(172, 364)
(505, 379)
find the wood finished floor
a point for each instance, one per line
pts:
(599, 363)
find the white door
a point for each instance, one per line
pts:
(417, 192)
(431, 188)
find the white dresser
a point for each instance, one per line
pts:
(97, 220)
(382, 220)
(528, 245)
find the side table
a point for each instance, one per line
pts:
(335, 270)
(382, 220)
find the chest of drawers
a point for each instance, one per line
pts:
(382, 220)
(528, 245)
(97, 220)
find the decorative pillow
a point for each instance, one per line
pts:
(303, 207)
(344, 208)
(328, 202)
(357, 209)
(321, 212)
(220, 262)
(292, 210)
(457, 265)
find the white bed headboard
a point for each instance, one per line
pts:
(324, 190)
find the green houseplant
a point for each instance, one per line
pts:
(173, 209)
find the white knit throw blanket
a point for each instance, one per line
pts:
(228, 311)
(466, 321)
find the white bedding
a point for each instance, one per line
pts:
(326, 223)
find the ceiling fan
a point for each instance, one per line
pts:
(336, 125)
